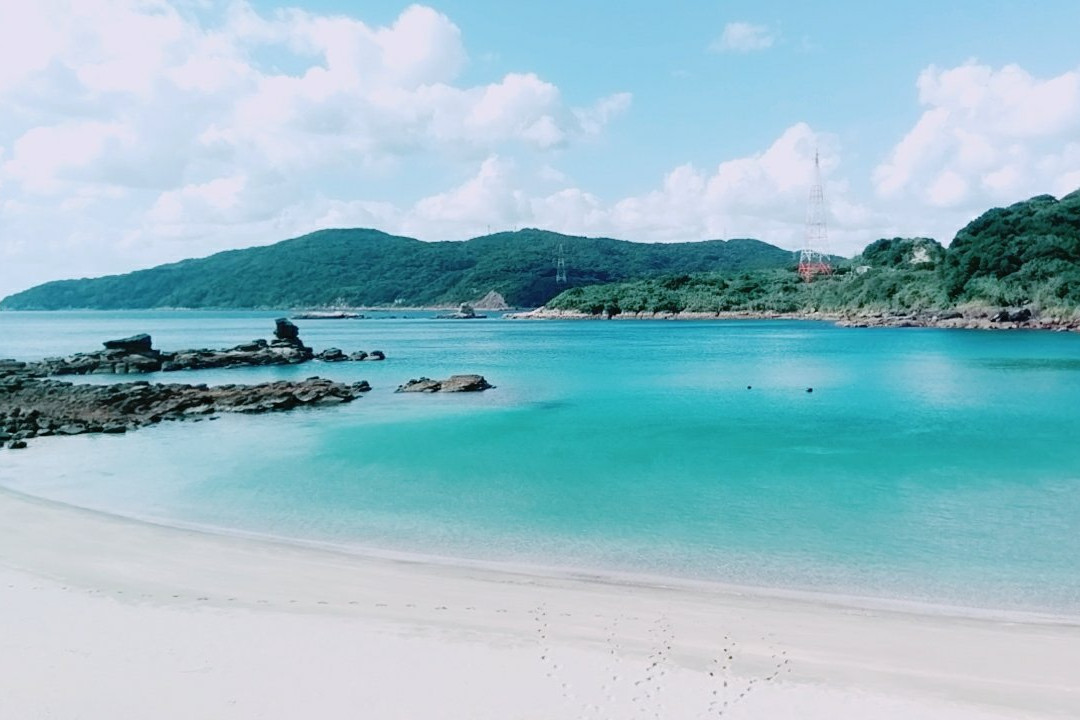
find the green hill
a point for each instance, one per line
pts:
(369, 268)
(1027, 254)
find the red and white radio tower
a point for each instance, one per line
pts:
(814, 257)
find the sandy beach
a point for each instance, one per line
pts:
(104, 617)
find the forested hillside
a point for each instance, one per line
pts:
(359, 268)
(1027, 254)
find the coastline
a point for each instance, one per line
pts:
(945, 320)
(482, 642)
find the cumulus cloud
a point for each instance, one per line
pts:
(985, 136)
(743, 37)
(153, 123)
(136, 133)
(762, 195)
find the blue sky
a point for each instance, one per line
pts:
(146, 131)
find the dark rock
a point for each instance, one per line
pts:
(465, 312)
(420, 385)
(140, 343)
(376, 355)
(286, 330)
(362, 386)
(455, 383)
(47, 407)
(357, 356)
(17, 445)
(331, 355)
(1022, 315)
(1000, 316)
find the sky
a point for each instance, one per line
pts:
(137, 132)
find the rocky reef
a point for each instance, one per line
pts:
(31, 406)
(136, 354)
(455, 383)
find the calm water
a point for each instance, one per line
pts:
(930, 465)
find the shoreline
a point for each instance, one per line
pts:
(505, 627)
(948, 320)
(944, 320)
(629, 579)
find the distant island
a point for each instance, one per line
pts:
(1025, 257)
(336, 269)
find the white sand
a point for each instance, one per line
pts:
(102, 617)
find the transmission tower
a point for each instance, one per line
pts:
(814, 257)
(560, 266)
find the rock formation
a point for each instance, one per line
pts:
(455, 383)
(31, 406)
(465, 312)
(137, 355)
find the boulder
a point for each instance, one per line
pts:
(140, 343)
(331, 355)
(455, 383)
(286, 329)
(358, 356)
(465, 383)
(376, 355)
(420, 385)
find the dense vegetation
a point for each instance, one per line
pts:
(368, 268)
(1027, 254)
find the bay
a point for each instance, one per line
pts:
(926, 465)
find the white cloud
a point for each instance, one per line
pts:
(743, 37)
(763, 195)
(985, 137)
(162, 130)
(243, 127)
(215, 197)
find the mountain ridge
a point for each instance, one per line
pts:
(364, 267)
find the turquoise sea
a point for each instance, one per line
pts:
(926, 465)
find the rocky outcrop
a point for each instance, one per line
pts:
(286, 331)
(31, 406)
(332, 355)
(137, 355)
(135, 344)
(455, 383)
(970, 318)
(465, 312)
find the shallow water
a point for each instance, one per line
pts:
(930, 465)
